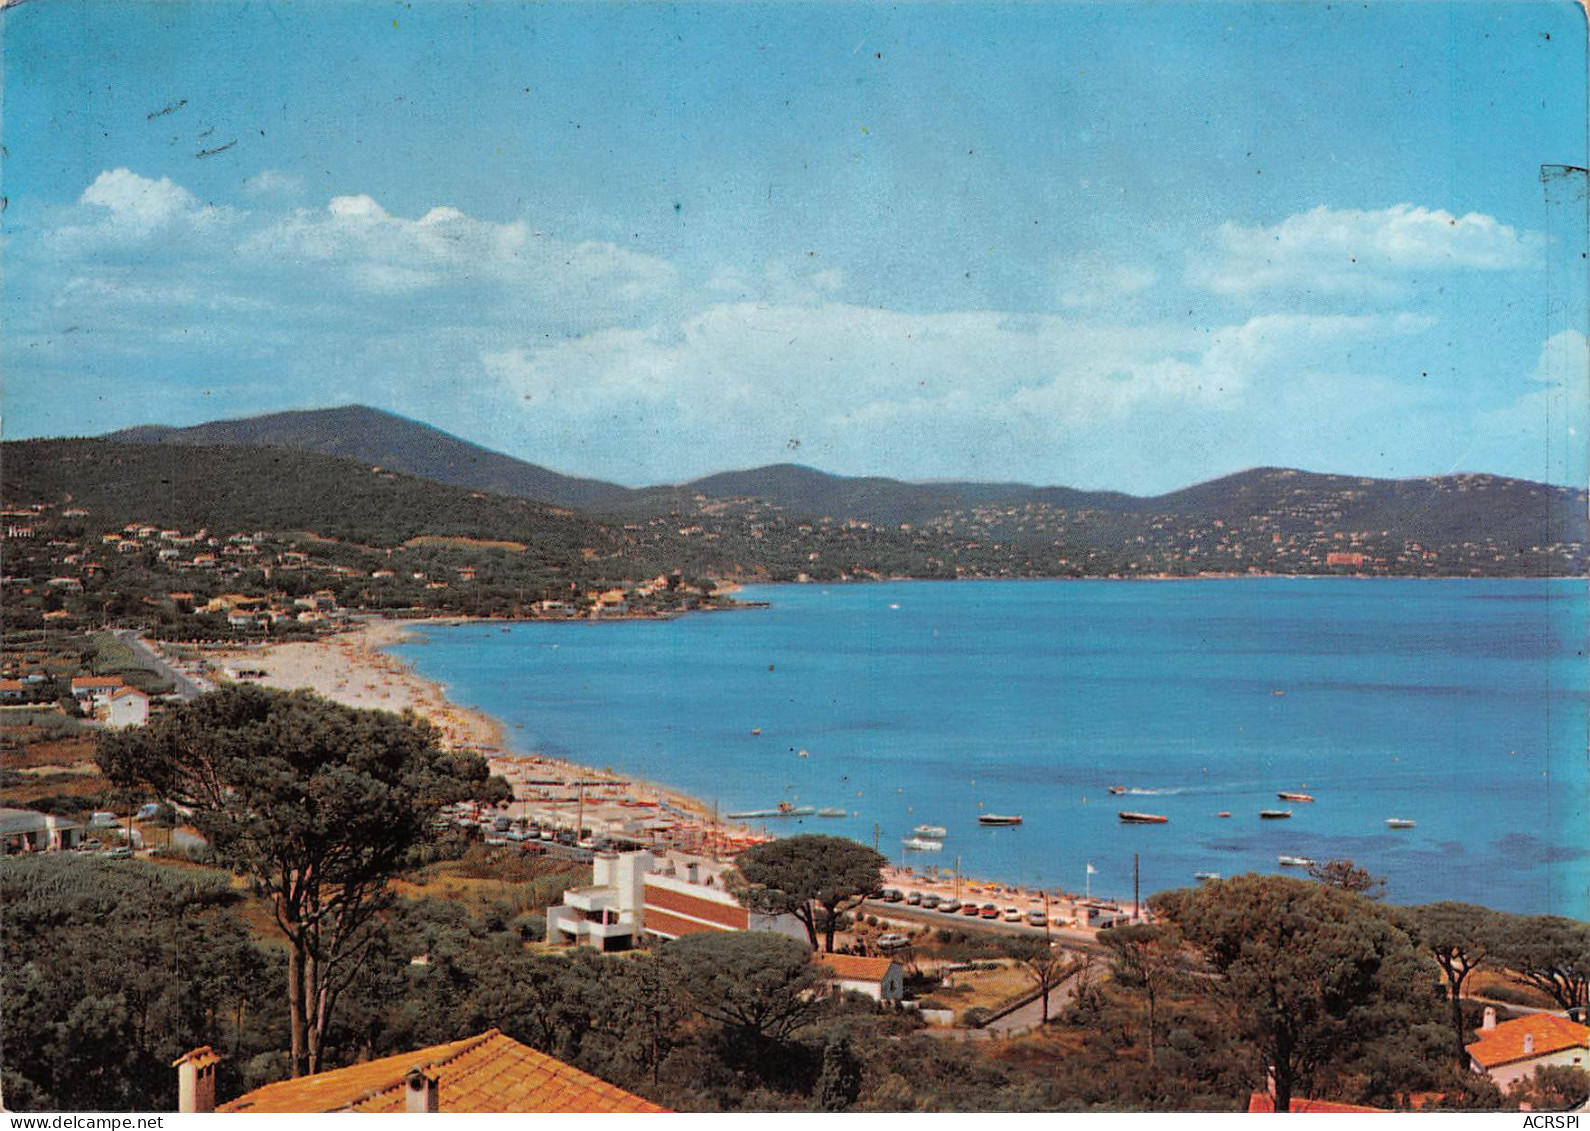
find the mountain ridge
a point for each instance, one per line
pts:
(398, 443)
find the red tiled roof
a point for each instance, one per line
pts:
(488, 1073)
(1262, 1103)
(81, 682)
(1505, 1043)
(121, 691)
(855, 968)
(12, 685)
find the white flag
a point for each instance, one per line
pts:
(1092, 871)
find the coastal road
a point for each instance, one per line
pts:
(901, 914)
(150, 657)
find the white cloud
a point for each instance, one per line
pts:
(273, 182)
(139, 201)
(855, 382)
(356, 237)
(1330, 251)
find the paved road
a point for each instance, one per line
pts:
(151, 658)
(904, 914)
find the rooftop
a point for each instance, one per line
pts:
(1505, 1043)
(487, 1073)
(1264, 1103)
(854, 967)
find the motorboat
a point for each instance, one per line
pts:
(932, 832)
(1274, 814)
(1224, 813)
(997, 819)
(1294, 797)
(1400, 823)
(1294, 861)
(922, 844)
(831, 813)
(1206, 875)
(1142, 818)
(785, 809)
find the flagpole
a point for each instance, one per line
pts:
(1089, 882)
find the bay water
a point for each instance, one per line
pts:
(1460, 705)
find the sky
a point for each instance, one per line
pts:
(1117, 246)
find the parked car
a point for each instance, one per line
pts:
(1012, 915)
(1036, 918)
(914, 899)
(971, 909)
(893, 895)
(892, 940)
(990, 911)
(950, 906)
(930, 902)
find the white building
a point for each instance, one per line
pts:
(1511, 1051)
(23, 830)
(881, 979)
(629, 898)
(126, 707)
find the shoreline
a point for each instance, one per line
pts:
(356, 668)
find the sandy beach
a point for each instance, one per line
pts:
(351, 668)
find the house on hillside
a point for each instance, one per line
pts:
(126, 707)
(630, 897)
(93, 692)
(1511, 1050)
(881, 979)
(23, 830)
(489, 1073)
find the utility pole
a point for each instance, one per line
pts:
(1134, 888)
(579, 823)
(957, 877)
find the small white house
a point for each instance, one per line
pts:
(881, 979)
(23, 830)
(126, 707)
(1512, 1050)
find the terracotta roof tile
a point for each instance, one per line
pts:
(1262, 1103)
(481, 1074)
(1505, 1043)
(855, 968)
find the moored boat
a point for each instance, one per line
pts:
(1274, 814)
(1206, 875)
(998, 819)
(1400, 823)
(830, 812)
(932, 832)
(1294, 861)
(1142, 818)
(1224, 813)
(922, 844)
(1294, 797)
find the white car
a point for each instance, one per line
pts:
(891, 940)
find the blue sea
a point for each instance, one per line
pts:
(1458, 704)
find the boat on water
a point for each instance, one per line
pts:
(932, 832)
(831, 813)
(997, 819)
(1294, 861)
(1142, 818)
(1400, 823)
(922, 844)
(1294, 797)
(1224, 813)
(785, 809)
(1206, 875)
(756, 730)
(1117, 789)
(1274, 814)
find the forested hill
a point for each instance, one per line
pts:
(394, 443)
(1263, 521)
(1483, 510)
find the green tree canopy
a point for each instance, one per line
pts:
(795, 873)
(317, 803)
(1460, 937)
(756, 984)
(1551, 953)
(1307, 972)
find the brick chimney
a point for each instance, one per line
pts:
(422, 1092)
(1490, 1019)
(196, 1081)
(1529, 1044)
